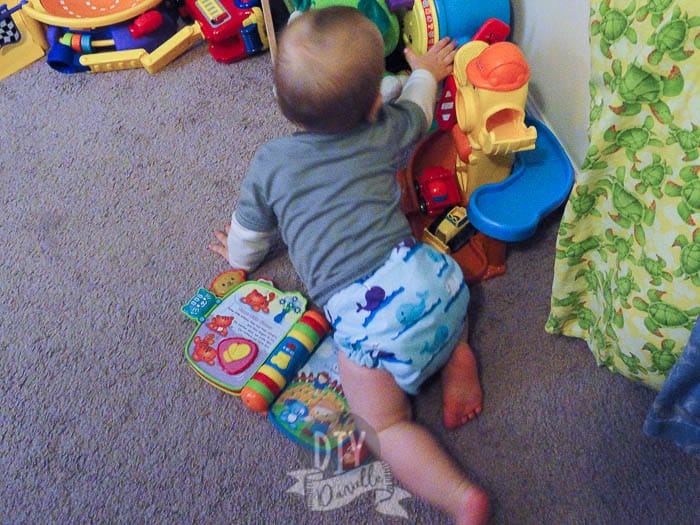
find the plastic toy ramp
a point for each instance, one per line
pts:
(152, 62)
(541, 180)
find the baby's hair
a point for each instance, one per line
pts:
(328, 69)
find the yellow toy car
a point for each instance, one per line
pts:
(450, 231)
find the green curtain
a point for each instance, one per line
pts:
(627, 271)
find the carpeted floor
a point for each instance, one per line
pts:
(111, 184)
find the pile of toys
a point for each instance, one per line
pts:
(108, 35)
(471, 186)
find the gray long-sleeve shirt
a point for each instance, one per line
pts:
(333, 198)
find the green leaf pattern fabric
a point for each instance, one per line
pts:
(627, 267)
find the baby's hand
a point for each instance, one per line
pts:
(438, 60)
(222, 246)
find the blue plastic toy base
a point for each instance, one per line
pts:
(461, 19)
(541, 180)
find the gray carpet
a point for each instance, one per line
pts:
(111, 184)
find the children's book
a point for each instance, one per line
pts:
(312, 410)
(257, 342)
(236, 332)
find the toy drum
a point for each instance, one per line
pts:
(430, 20)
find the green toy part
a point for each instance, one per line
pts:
(376, 10)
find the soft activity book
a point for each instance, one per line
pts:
(257, 342)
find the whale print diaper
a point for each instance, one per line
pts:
(406, 317)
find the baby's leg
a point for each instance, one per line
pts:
(461, 389)
(414, 455)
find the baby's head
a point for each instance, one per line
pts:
(328, 69)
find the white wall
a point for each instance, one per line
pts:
(553, 35)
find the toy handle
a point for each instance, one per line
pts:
(285, 361)
(172, 48)
(493, 30)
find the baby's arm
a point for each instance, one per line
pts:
(428, 69)
(242, 248)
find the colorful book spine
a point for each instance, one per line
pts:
(285, 361)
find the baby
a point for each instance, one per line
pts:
(397, 306)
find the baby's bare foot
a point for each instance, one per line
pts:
(461, 389)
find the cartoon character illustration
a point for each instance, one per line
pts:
(203, 350)
(631, 210)
(638, 86)
(664, 315)
(220, 324)
(632, 139)
(613, 25)
(441, 335)
(687, 139)
(322, 380)
(227, 281)
(323, 415)
(389, 357)
(258, 301)
(689, 257)
(376, 299)
(294, 412)
(672, 37)
(409, 313)
(689, 193)
(373, 298)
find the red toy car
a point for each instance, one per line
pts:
(437, 190)
(234, 29)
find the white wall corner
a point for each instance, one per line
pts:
(554, 37)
